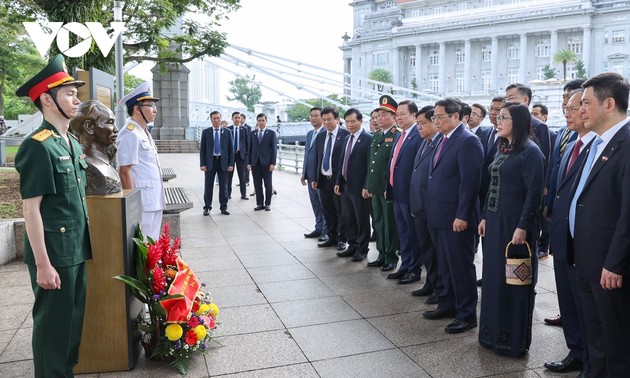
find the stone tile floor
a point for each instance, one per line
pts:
(290, 309)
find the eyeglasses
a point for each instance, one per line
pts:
(151, 105)
(502, 118)
(511, 98)
(570, 109)
(441, 117)
(475, 114)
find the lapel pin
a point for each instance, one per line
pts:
(604, 158)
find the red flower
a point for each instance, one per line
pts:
(211, 324)
(193, 321)
(195, 305)
(153, 256)
(190, 337)
(158, 283)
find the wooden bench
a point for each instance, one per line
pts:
(168, 174)
(176, 200)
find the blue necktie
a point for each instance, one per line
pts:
(235, 138)
(326, 164)
(260, 136)
(585, 172)
(217, 143)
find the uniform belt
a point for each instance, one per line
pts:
(328, 177)
(217, 157)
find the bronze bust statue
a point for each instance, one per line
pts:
(97, 133)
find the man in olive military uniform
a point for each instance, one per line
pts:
(57, 243)
(382, 211)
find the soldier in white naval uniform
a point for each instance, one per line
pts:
(139, 166)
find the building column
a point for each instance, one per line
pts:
(586, 49)
(347, 70)
(554, 47)
(494, 65)
(467, 65)
(522, 67)
(396, 66)
(418, 66)
(442, 70)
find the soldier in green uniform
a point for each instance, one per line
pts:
(52, 171)
(382, 211)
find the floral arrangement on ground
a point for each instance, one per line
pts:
(181, 314)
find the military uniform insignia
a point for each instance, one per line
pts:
(82, 156)
(131, 126)
(42, 135)
(64, 158)
(387, 140)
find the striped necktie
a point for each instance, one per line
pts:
(564, 140)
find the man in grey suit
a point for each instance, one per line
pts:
(216, 155)
(309, 174)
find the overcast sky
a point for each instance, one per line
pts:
(302, 30)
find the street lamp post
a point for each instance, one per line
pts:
(120, 81)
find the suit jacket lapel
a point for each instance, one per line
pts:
(612, 147)
(447, 146)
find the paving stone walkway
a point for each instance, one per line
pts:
(290, 309)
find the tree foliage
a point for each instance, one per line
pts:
(548, 72)
(382, 75)
(564, 57)
(580, 70)
(151, 27)
(246, 91)
(301, 112)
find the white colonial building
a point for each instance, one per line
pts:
(476, 48)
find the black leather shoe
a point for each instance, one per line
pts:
(585, 373)
(245, 198)
(341, 246)
(259, 207)
(206, 212)
(358, 256)
(229, 197)
(397, 275)
(425, 291)
(267, 208)
(225, 212)
(459, 326)
(322, 238)
(312, 234)
(409, 278)
(327, 243)
(373, 237)
(432, 300)
(376, 263)
(568, 364)
(556, 321)
(479, 282)
(347, 253)
(389, 266)
(439, 313)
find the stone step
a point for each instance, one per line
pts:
(177, 146)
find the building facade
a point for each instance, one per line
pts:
(476, 48)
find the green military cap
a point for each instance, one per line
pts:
(388, 103)
(55, 74)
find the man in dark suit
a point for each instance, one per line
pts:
(452, 215)
(309, 174)
(599, 220)
(262, 161)
(328, 147)
(216, 155)
(417, 193)
(351, 181)
(249, 132)
(399, 170)
(241, 136)
(570, 308)
(477, 115)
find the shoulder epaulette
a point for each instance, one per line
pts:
(131, 126)
(399, 129)
(42, 135)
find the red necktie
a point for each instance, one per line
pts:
(439, 151)
(346, 158)
(395, 157)
(574, 154)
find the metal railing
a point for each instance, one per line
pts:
(290, 157)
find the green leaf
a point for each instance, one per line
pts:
(137, 287)
(181, 365)
(159, 310)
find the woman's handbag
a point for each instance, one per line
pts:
(518, 271)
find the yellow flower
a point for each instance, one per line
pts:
(174, 332)
(203, 309)
(200, 330)
(214, 310)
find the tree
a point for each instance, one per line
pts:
(382, 75)
(301, 112)
(564, 56)
(132, 82)
(246, 91)
(548, 72)
(580, 70)
(148, 27)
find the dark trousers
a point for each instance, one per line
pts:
(241, 170)
(387, 241)
(427, 254)
(456, 269)
(331, 207)
(58, 322)
(262, 175)
(356, 220)
(316, 204)
(570, 309)
(209, 185)
(607, 327)
(409, 249)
